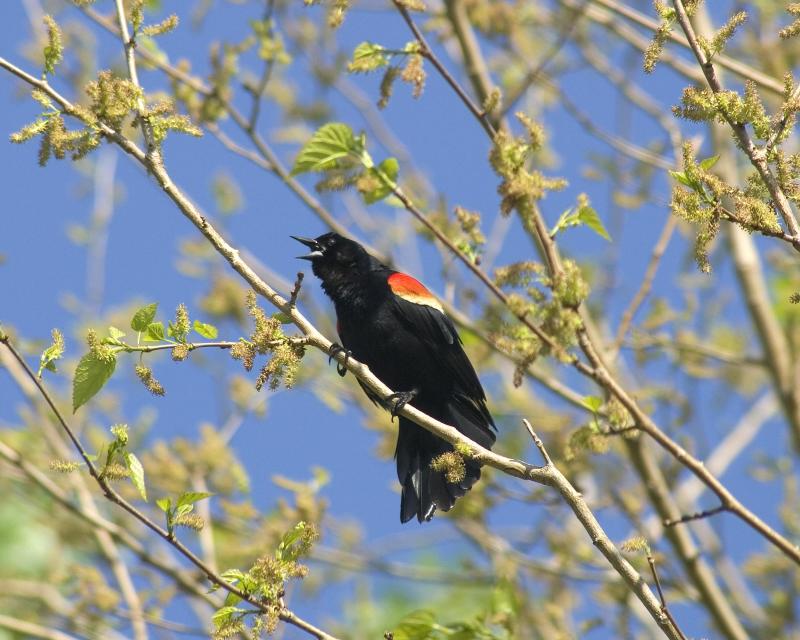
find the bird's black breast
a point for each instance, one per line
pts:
(401, 353)
(378, 340)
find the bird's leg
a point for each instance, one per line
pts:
(335, 348)
(397, 401)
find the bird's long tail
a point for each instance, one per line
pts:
(423, 489)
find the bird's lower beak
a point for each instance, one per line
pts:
(316, 250)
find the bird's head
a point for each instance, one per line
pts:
(335, 258)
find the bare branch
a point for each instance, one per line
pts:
(664, 607)
(699, 515)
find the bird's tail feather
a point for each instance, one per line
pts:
(423, 489)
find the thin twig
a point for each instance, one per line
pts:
(269, 65)
(647, 283)
(731, 64)
(572, 21)
(699, 515)
(428, 54)
(664, 607)
(538, 442)
(116, 498)
(130, 59)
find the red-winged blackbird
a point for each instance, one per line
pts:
(395, 326)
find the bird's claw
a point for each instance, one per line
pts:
(335, 349)
(397, 401)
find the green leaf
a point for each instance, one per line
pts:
(385, 175)
(232, 599)
(90, 376)
(681, 177)
(223, 614)
(155, 332)
(367, 57)
(190, 497)
(592, 403)
(208, 331)
(183, 510)
(283, 318)
(417, 625)
(232, 576)
(588, 216)
(565, 220)
(706, 164)
(115, 334)
(54, 352)
(137, 473)
(287, 551)
(143, 317)
(330, 143)
(165, 504)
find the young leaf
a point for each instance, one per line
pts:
(183, 509)
(232, 576)
(706, 164)
(592, 403)
(90, 376)
(384, 179)
(155, 332)
(330, 143)
(283, 318)
(417, 625)
(367, 57)
(287, 550)
(115, 334)
(137, 473)
(681, 177)
(52, 353)
(165, 504)
(224, 614)
(143, 317)
(208, 331)
(588, 216)
(565, 220)
(191, 497)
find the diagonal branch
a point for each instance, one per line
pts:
(547, 475)
(112, 495)
(597, 370)
(427, 53)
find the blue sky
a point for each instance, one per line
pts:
(43, 270)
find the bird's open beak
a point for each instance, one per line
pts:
(316, 250)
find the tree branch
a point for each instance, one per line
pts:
(758, 157)
(284, 614)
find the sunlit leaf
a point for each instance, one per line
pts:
(143, 317)
(90, 376)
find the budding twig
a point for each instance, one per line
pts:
(699, 515)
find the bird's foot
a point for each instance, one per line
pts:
(397, 401)
(334, 349)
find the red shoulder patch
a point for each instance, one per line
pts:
(402, 283)
(412, 290)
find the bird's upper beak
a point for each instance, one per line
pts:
(316, 250)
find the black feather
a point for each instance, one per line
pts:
(409, 345)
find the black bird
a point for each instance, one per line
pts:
(394, 325)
